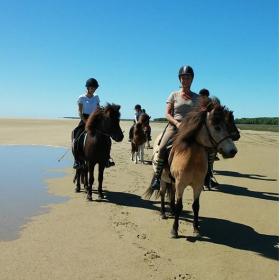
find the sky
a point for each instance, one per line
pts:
(48, 49)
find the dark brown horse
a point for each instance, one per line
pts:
(139, 138)
(188, 161)
(101, 126)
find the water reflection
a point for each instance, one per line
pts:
(23, 189)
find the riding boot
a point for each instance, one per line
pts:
(155, 184)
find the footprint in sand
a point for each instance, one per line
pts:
(151, 255)
(183, 276)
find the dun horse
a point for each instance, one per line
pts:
(188, 160)
(139, 138)
(95, 146)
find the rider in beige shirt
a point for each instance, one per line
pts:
(178, 104)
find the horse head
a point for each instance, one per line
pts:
(106, 121)
(217, 128)
(232, 129)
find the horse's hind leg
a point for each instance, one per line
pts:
(162, 200)
(171, 189)
(100, 180)
(77, 178)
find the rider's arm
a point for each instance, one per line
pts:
(80, 108)
(169, 114)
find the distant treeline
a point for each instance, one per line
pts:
(160, 120)
(264, 120)
(273, 121)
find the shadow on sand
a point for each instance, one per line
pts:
(237, 190)
(213, 230)
(237, 174)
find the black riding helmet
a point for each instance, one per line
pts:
(137, 107)
(92, 83)
(204, 92)
(185, 70)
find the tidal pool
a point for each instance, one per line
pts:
(23, 188)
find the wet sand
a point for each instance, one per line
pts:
(123, 237)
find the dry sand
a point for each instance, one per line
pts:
(123, 238)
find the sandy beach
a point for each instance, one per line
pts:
(123, 237)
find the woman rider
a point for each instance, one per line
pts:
(179, 103)
(87, 104)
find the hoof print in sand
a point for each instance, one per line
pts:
(151, 255)
(184, 276)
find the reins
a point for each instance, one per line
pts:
(212, 140)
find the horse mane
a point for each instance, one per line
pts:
(111, 110)
(194, 120)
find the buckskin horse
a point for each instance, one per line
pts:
(95, 144)
(203, 128)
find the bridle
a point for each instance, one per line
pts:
(211, 138)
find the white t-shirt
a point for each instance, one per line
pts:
(89, 104)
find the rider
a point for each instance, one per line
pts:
(138, 112)
(179, 103)
(87, 104)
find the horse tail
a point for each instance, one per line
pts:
(149, 192)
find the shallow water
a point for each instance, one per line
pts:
(23, 188)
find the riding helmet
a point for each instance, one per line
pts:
(92, 83)
(185, 70)
(137, 107)
(204, 92)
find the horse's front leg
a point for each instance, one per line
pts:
(77, 179)
(88, 188)
(195, 207)
(100, 180)
(90, 181)
(178, 209)
(142, 153)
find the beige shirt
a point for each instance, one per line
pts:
(180, 105)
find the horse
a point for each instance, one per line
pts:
(202, 129)
(139, 138)
(95, 147)
(212, 155)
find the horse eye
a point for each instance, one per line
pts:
(217, 128)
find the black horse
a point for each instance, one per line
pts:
(95, 144)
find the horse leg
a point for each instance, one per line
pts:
(100, 180)
(142, 153)
(88, 187)
(195, 207)
(172, 199)
(91, 176)
(77, 179)
(162, 201)
(178, 209)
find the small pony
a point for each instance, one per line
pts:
(95, 146)
(139, 138)
(202, 129)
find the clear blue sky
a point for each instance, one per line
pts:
(134, 49)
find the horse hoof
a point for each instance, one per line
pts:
(100, 196)
(163, 216)
(196, 233)
(174, 234)
(89, 198)
(77, 190)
